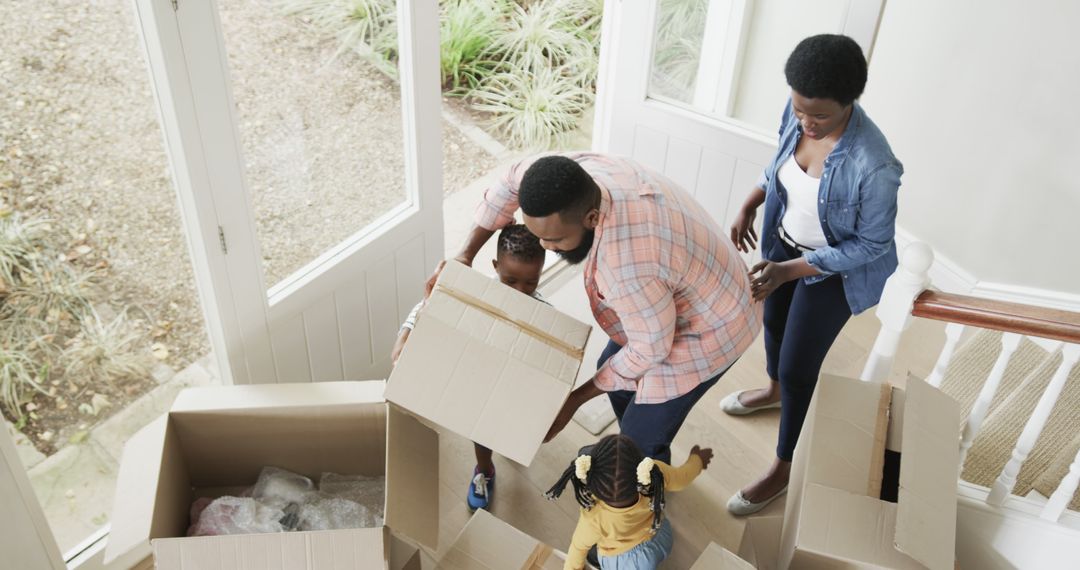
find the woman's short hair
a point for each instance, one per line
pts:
(827, 66)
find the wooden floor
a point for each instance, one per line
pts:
(743, 447)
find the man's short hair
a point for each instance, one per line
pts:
(557, 184)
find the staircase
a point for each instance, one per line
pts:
(1030, 368)
(1019, 390)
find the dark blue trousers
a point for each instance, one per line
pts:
(801, 323)
(652, 426)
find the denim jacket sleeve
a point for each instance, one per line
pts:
(785, 117)
(875, 225)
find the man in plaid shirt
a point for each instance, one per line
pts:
(663, 281)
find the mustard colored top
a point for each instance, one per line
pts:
(615, 531)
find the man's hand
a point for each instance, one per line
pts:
(705, 455)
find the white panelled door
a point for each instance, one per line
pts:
(672, 72)
(335, 315)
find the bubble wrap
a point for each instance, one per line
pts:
(236, 515)
(337, 513)
(279, 487)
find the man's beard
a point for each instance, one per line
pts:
(579, 253)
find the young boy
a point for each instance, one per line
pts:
(518, 263)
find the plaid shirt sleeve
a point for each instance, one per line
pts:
(500, 201)
(647, 313)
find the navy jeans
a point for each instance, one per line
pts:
(801, 323)
(652, 426)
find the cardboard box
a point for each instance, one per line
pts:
(488, 543)
(716, 557)
(489, 363)
(215, 440)
(760, 544)
(834, 516)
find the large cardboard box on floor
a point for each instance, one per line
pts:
(716, 557)
(834, 517)
(215, 440)
(489, 363)
(489, 543)
(760, 544)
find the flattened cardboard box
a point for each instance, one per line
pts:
(489, 363)
(760, 544)
(833, 514)
(716, 557)
(489, 543)
(215, 440)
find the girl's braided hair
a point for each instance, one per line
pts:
(612, 477)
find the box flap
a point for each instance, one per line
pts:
(847, 441)
(841, 445)
(322, 550)
(412, 478)
(403, 556)
(760, 544)
(277, 396)
(149, 495)
(488, 363)
(845, 526)
(716, 557)
(926, 512)
(488, 543)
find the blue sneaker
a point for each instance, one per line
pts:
(481, 490)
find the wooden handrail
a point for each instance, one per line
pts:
(999, 315)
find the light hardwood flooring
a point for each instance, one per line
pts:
(743, 447)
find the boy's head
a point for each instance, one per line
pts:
(519, 259)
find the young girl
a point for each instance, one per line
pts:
(621, 493)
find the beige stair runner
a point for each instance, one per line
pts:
(1026, 377)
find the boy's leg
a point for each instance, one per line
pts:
(482, 484)
(484, 463)
(653, 426)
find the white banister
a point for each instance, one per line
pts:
(894, 311)
(953, 331)
(1009, 343)
(1064, 493)
(1003, 486)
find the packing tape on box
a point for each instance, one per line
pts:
(556, 343)
(538, 558)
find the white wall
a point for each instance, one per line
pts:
(980, 101)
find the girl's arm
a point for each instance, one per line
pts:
(679, 478)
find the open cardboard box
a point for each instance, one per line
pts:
(215, 440)
(760, 544)
(488, 363)
(835, 517)
(716, 557)
(488, 543)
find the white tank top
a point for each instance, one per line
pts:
(801, 214)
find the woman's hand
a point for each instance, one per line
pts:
(742, 231)
(705, 455)
(770, 275)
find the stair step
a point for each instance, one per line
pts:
(994, 445)
(971, 365)
(1048, 480)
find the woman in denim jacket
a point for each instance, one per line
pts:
(827, 238)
